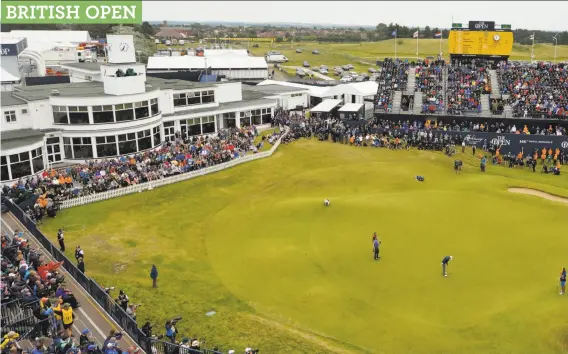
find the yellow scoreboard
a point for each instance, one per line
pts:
(490, 43)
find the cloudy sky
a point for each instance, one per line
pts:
(543, 15)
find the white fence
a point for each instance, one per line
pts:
(168, 180)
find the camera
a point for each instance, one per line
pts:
(175, 320)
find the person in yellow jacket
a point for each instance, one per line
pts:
(57, 308)
(67, 317)
(11, 337)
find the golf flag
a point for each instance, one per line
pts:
(415, 35)
(394, 33)
(438, 35)
(531, 37)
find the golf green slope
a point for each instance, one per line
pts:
(288, 275)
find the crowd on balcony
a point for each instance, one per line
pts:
(392, 77)
(429, 80)
(536, 90)
(466, 84)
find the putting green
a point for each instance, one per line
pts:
(286, 274)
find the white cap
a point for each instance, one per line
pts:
(231, 351)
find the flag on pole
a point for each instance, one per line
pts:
(438, 35)
(394, 33)
(415, 35)
(531, 37)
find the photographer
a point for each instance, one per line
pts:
(147, 329)
(131, 311)
(122, 300)
(171, 330)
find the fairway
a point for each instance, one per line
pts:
(288, 275)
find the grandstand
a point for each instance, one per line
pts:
(478, 80)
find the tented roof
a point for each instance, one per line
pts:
(351, 107)
(326, 105)
(52, 36)
(195, 62)
(365, 88)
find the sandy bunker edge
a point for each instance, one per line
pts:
(538, 193)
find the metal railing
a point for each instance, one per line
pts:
(127, 323)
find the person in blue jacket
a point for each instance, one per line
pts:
(154, 276)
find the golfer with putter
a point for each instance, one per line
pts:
(445, 263)
(563, 281)
(376, 244)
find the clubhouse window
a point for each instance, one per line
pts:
(106, 146)
(229, 120)
(103, 114)
(60, 115)
(127, 144)
(124, 112)
(141, 110)
(208, 124)
(144, 140)
(156, 134)
(78, 115)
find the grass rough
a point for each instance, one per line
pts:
(255, 244)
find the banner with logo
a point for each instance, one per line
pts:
(512, 143)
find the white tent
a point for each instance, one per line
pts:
(326, 106)
(52, 36)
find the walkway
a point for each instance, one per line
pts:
(90, 315)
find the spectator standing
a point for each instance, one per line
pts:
(61, 239)
(79, 253)
(81, 264)
(154, 276)
(68, 316)
(122, 300)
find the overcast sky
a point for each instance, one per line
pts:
(543, 15)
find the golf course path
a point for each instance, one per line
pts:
(540, 194)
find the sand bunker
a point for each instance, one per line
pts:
(538, 193)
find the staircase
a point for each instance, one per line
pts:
(495, 89)
(411, 83)
(417, 102)
(396, 101)
(485, 106)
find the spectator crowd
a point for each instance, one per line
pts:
(429, 81)
(536, 90)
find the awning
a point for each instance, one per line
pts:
(326, 106)
(351, 107)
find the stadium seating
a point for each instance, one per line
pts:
(536, 90)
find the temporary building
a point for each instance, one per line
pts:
(232, 67)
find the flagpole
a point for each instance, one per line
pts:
(417, 35)
(395, 34)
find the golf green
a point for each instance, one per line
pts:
(288, 275)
